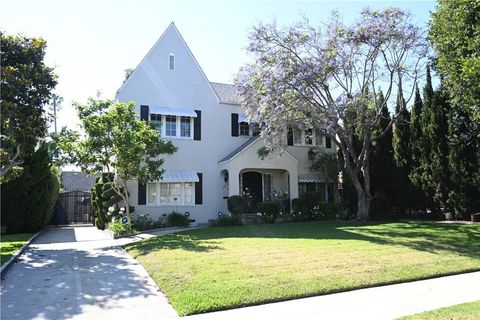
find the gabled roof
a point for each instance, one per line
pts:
(170, 28)
(240, 148)
(226, 93)
(77, 181)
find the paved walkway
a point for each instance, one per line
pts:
(79, 273)
(388, 302)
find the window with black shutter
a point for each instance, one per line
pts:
(234, 124)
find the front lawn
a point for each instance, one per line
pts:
(11, 243)
(465, 311)
(220, 268)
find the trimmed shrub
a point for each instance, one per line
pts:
(269, 211)
(236, 205)
(28, 200)
(176, 219)
(144, 222)
(120, 229)
(311, 208)
(104, 197)
(226, 221)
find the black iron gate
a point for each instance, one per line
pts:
(74, 207)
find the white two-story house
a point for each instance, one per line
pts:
(217, 149)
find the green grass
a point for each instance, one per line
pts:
(11, 243)
(220, 268)
(465, 311)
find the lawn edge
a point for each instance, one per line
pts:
(4, 268)
(383, 284)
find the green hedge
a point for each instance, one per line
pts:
(28, 200)
(269, 211)
(311, 208)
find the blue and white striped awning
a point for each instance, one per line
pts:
(180, 176)
(310, 177)
(173, 111)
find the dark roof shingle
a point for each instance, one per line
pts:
(239, 149)
(227, 93)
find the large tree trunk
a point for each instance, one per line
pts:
(363, 205)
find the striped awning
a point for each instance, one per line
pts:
(173, 111)
(310, 177)
(180, 176)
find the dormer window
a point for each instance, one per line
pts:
(171, 61)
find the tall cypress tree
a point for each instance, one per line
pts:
(440, 176)
(417, 147)
(416, 139)
(463, 162)
(381, 164)
(424, 142)
(402, 154)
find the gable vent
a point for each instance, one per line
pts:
(171, 61)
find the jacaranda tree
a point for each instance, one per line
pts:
(314, 77)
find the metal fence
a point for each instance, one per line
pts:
(74, 207)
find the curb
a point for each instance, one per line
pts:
(17, 254)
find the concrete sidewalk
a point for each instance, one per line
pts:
(387, 302)
(79, 273)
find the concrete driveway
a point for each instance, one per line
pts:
(78, 273)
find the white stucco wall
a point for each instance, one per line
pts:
(153, 84)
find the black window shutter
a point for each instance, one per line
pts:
(234, 124)
(197, 126)
(328, 142)
(290, 137)
(199, 189)
(144, 112)
(142, 193)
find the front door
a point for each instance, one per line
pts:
(252, 187)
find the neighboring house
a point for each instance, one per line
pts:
(217, 150)
(77, 181)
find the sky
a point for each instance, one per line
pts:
(90, 43)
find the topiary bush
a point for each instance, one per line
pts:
(176, 219)
(236, 205)
(28, 201)
(269, 211)
(103, 199)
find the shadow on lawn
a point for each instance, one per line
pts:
(174, 241)
(422, 236)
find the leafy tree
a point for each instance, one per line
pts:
(117, 141)
(26, 86)
(455, 37)
(28, 199)
(463, 162)
(311, 78)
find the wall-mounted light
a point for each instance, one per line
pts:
(187, 214)
(220, 213)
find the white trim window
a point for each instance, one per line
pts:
(171, 61)
(185, 127)
(170, 126)
(309, 137)
(170, 193)
(244, 128)
(177, 127)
